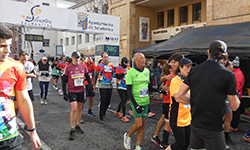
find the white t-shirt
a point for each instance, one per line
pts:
(29, 67)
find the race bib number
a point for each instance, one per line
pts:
(187, 106)
(144, 92)
(90, 75)
(107, 69)
(78, 82)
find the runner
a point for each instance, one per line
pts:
(55, 74)
(137, 81)
(74, 75)
(210, 83)
(180, 116)
(170, 69)
(104, 71)
(13, 78)
(120, 73)
(44, 72)
(91, 68)
(61, 65)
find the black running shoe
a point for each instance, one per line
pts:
(78, 130)
(156, 140)
(72, 135)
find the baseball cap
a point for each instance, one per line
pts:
(125, 59)
(186, 61)
(75, 54)
(218, 45)
(44, 58)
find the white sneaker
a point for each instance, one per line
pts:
(127, 141)
(55, 87)
(45, 102)
(138, 148)
(41, 101)
(60, 92)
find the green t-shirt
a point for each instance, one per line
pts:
(139, 81)
(55, 71)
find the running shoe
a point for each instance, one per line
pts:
(101, 121)
(60, 91)
(156, 140)
(72, 135)
(138, 148)
(125, 119)
(246, 137)
(41, 101)
(234, 129)
(127, 141)
(81, 121)
(78, 130)
(55, 87)
(227, 147)
(45, 102)
(118, 114)
(151, 114)
(130, 112)
(91, 114)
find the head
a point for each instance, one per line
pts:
(75, 56)
(165, 69)
(185, 65)
(44, 60)
(56, 61)
(224, 60)
(159, 65)
(5, 42)
(173, 61)
(63, 58)
(81, 60)
(140, 60)
(236, 62)
(89, 60)
(105, 57)
(229, 65)
(125, 62)
(217, 49)
(23, 56)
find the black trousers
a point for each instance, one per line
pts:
(236, 119)
(182, 137)
(124, 96)
(105, 101)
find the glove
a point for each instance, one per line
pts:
(42, 74)
(139, 109)
(66, 97)
(163, 92)
(47, 74)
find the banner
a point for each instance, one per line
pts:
(144, 29)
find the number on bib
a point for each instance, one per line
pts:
(78, 82)
(144, 92)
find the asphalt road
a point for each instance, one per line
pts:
(52, 122)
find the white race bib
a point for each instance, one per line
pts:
(187, 106)
(78, 82)
(144, 92)
(90, 75)
(107, 69)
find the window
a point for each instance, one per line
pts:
(197, 12)
(93, 37)
(160, 19)
(67, 42)
(45, 4)
(95, 10)
(73, 40)
(171, 17)
(105, 9)
(79, 39)
(46, 42)
(61, 42)
(86, 38)
(184, 14)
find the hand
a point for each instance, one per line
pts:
(66, 97)
(139, 109)
(42, 74)
(47, 74)
(168, 77)
(36, 144)
(94, 90)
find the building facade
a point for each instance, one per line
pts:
(148, 22)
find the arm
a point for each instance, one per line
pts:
(234, 102)
(138, 108)
(31, 75)
(182, 96)
(64, 82)
(89, 81)
(95, 78)
(26, 109)
(119, 76)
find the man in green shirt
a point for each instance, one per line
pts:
(137, 80)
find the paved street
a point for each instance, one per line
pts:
(52, 122)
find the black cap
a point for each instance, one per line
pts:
(186, 61)
(218, 45)
(125, 60)
(75, 54)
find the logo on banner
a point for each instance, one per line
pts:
(34, 19)
(82, 20)
(111, 39)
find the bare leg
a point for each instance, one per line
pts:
(73, 114)
(159, 125)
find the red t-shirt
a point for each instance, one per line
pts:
(62, 65)
(166, 98)
(91, 69)
(76, 76)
